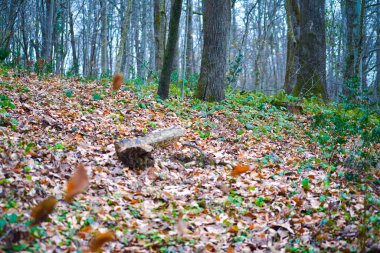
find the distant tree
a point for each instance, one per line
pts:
(377, 81)
(124, 33)
(311, 79)
(47, 30)
(75, 66)
(292, 53)
(159, 32)
(189, 40)
(103, 35)
(216, 26)
(354, 11)
(167, 68)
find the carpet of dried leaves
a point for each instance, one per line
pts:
(229, 192)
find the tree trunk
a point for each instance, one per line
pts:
(353, 11)
(103, 35)
(216, 26)
(47, 31)
(159, 34)
(311, 79)
(377, 81)
(72, 40)
(293, 37)
(189, 40)
(124, 33)
(167, 68)
(144, 34)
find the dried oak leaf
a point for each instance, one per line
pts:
(240, 169)
(77, 183)
(100, 239)
(117, 81)
(41, 211)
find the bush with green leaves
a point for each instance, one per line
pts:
(348, 133)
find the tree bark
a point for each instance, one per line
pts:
(167, 68)
(216, 26)
(72, 41)
(124, 33)
(293, 37)
(311, 79)
(159, 19)
(377, 81)
(103, 35)
(47, 31)
(189, 40)
(353, 11)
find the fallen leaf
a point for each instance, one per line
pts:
(41, 211)
(240, 169)
(181, 225)
(230, 249)
(100, 239)
(77, 183)
(233, 229)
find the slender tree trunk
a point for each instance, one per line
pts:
(216, 26)
(94, 33)
(167, 68)
(353, 11)
(293, 37)
(377, 81)
(144, 35)
(159, 32)
(311, 79)
(47, 32)
(136, 28)
(72, 40)
(103, 35)
(124, 33)
(189, 40)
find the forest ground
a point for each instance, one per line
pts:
(253, 180)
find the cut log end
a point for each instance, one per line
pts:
(137, 153)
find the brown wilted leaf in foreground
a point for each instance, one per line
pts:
(77, 183)
(240, 169)
(181, 224)
(41, 211)
(117, 81)
(100, 239)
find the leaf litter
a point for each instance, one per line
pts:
(243, 192)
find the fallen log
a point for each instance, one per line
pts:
(137, 152)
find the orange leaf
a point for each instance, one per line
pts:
(233, 229)
(231, 249)
(240, 169)
(181, 225)
(100, 239)
(41, 211)
(77, 183)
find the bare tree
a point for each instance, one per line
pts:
(124, 33)
(292, 54)
(167, 68)
(311, 79)
(217, 23)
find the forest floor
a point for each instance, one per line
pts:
(252, 180)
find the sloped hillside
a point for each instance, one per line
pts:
(249, 175)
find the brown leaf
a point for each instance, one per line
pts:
(240, 169)
(117, 81)
(230, 249)
(41, 211)
(77, 183)
(181, 225)
(233, 229)
(100, 239)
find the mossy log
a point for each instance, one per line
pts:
(137, 152)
